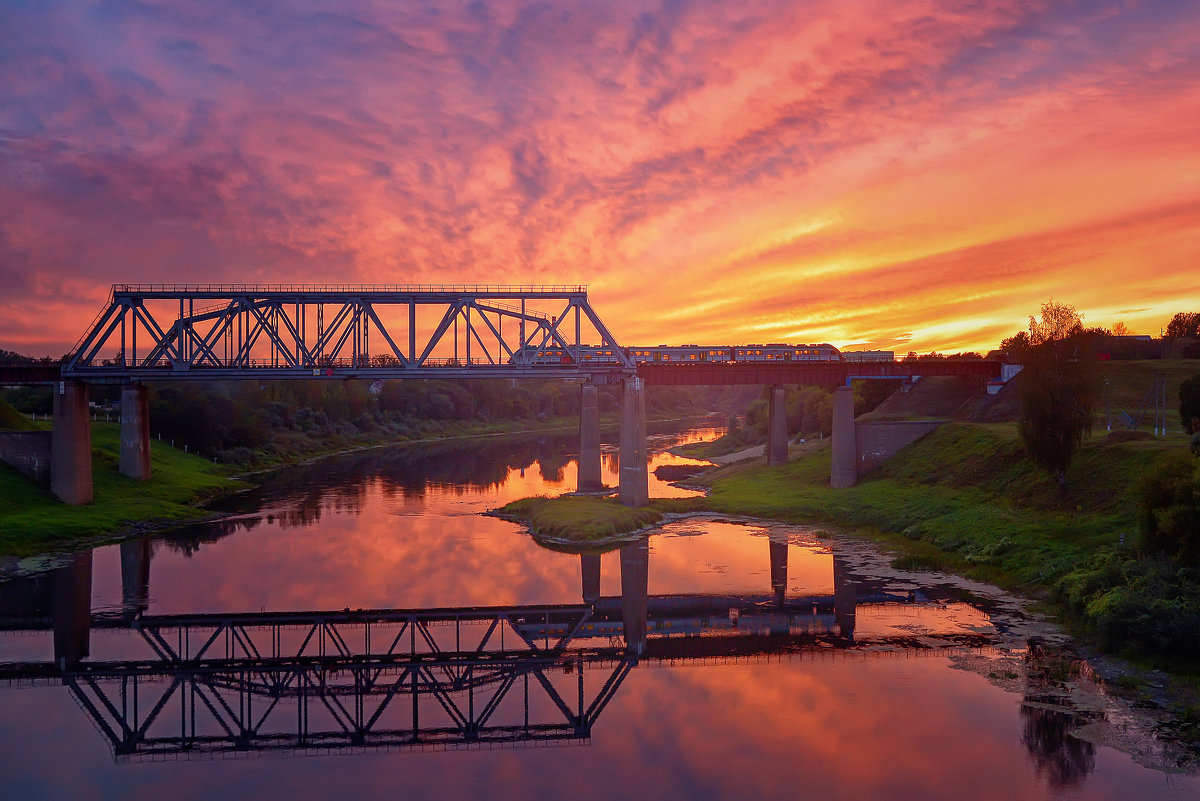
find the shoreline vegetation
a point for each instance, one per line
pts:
(964, 500)
(32, 521)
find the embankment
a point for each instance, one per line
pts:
(33, 521)
(965, 499)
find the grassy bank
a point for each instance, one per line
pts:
(579, 519)
(33, 521)
(965, 499)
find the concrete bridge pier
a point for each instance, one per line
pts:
(634, 487)
(777, 434)
(589, 569)
(779, 560)
(589, 439)
(135, 576)
(135, 432)
(71, 445)
(845, 599)
(71, 608)
(635, 594)
(844, 472)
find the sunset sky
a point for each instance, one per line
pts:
(901, 174)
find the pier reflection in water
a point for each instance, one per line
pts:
(455, 676)
(717, 659)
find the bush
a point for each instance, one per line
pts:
(1170, 501)
(240, 456)
(1136, 606)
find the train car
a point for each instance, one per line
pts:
(680, 354)
(869, 356)
(786, 353)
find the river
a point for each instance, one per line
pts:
(357, 628)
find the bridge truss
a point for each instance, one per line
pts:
(399, 679)
(470, 677)
(181, 332)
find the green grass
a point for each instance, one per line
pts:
(579, 518)
(721, 446)
(33, 521)
(12, 420)
(964, 498)
(1130, 381)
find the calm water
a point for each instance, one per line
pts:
(717, 659)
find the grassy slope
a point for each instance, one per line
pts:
(964, 498)
(31, 520)
(12, 420)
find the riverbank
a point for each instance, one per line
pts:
(966, 500)
(33, 521)
(455, 432)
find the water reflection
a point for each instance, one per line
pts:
(1050, 719)
(1057, 754)
(496, 469)
(210, 683)
(718, 659)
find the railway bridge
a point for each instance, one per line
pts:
(185, 332)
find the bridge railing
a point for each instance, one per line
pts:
(403, 289)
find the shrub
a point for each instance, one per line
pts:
(1170, 501)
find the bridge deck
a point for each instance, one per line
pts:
(808, 373)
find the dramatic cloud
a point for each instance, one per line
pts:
(899, 173)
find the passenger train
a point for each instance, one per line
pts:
(683, 354)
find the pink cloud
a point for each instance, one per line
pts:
(849, 172)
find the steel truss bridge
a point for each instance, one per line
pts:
(206, 332)
(181, 332)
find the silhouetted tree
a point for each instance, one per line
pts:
(1063, 759)
(1184, 324)
(1059, 387)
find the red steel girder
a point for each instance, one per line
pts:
(30, 374)
(830, 374)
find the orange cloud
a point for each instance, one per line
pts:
(913, 174)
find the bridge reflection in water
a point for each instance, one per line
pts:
(211, 684)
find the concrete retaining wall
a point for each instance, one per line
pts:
(29, 452)
(879, 441)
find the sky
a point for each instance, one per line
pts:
(895, 174)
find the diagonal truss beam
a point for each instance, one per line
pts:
(220, 332)
(257, 707)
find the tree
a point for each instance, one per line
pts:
(1059, 387)
(1122, 330)
(1170, 500)
(1189, 404)
(1184, 324)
